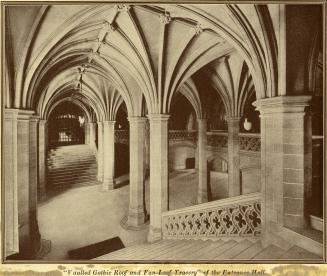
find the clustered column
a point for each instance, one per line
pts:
(234, 184)
(108, 155)
(20, 177)
(158, 173)
(92, 135)
(136, 213)
(43, 147)
(286, 161)
(202, 195)
(100, 151)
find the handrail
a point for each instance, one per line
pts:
(256, 135)
(317, 137)
(236, 216)
(232, 201)
(216, 133)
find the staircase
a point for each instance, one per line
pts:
(198, 250)
(71, 166)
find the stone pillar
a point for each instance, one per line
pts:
(286, 161)
(234, 183)
(92, 135)
(100, 151)
(20, 166)
(43, 150)
(158, 173)
(87, 134)
(202, 195)
(136, 213)
(108, 155)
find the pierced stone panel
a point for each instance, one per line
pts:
(183, 135)
(250, 143)
(241, 219)
(219, 140)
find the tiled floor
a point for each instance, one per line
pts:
(81, 216)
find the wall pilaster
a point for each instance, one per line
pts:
(286, 161)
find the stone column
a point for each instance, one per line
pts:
(43, 150)
(92, 135)
(20, 166)
(87, 134)
(136, 213)
(108, 155)
(100, 151)
(158, 173)
(234, 183)
(286, 161)
(202, 195)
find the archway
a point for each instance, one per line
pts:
(66, 123)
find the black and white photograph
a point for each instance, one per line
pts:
(163, 132)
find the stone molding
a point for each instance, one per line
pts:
(165, 18)
(158, 117)
(137, 120)
(282, 104)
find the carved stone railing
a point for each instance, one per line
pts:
(250, 141)
(217, 139)
(122, 136)
(183, 135)
(233, 217)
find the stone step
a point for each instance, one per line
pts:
(72, 180)
(70, 161)
(75, 185)
(180, 252)
(235, 250)
(71, 166)
(298, 253)
(271, 252)
(250, 252)
(75, 165)
(72, 173)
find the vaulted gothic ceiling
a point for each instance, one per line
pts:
(102, 55)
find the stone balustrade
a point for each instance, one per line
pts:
(250, 141)
(238, 216)
(183, 135)
(217, 139)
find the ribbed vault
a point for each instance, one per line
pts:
(136, 51)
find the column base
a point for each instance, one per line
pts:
(202, 197)
(108, 184)
(100, 178)
(42, 195)
(136, 217)
(155, 234)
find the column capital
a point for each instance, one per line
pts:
(108, 122)
(158, 117)
(202, 119)
(137, 119)
(43, 121)
(233, 119)
(18, 114)
(283, 104)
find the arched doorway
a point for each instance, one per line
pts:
(66, 125)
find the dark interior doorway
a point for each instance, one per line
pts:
(66, 125)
